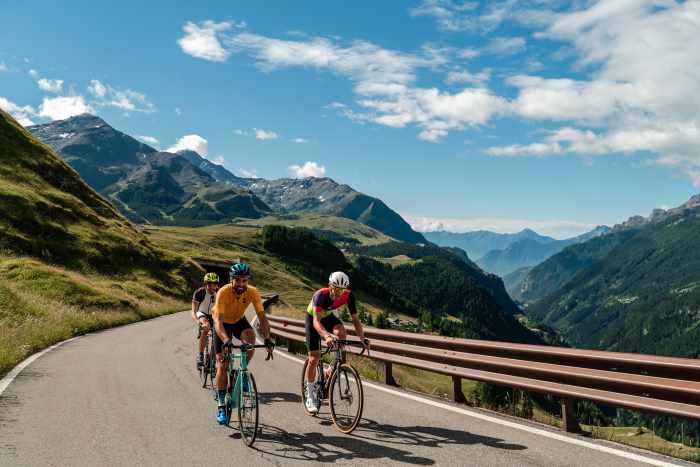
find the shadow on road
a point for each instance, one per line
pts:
(369, 441)
(273, 397)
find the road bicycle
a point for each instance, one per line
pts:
(207, 372)
(343, 388)
(242, 392)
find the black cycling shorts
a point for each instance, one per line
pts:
(235, 329)
(313, 339)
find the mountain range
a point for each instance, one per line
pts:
(635, 289)
(159, 188)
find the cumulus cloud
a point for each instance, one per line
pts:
(506, 45)
(265, 134)
(555, 228)
(62, 107)
(97, 89)
(50, 85)
(22, 114)
(464, 76)
(202, 41)
(125, 99)
(309, 169)
(192, 143)
(300, 140)
(449, 15)
(246, 173)
(640, 95)
(148, 139)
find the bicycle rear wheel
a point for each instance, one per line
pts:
(304, 395)
(248, 414)
(346, 398)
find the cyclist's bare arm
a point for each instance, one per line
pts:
(358, 327)
(264, 325)
(219, 328)
(319, 327)
(195, 307)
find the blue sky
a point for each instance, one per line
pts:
(460, 115)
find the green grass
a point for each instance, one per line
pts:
(644, 439)
(41, 305)
(347, 227)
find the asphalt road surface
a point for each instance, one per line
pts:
(131, 396)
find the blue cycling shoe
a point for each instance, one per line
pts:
(221, 416)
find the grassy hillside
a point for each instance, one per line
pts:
(69, 262)
(294, 280)
(643, 296)
(339, 230)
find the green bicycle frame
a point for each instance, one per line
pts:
(235, 390)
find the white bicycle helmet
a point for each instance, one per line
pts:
(339, 279)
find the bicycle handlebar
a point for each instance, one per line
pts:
(245, 347)
(348, 342)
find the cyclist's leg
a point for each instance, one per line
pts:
(204, 323)
(313, 345)
(221, 367)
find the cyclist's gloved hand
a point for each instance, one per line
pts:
(270, 348)
(330, 340)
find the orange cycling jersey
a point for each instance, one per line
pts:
(231, 306)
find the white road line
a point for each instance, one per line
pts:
(517, 426)
(7, 380)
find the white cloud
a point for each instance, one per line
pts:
(3, 67)
(240, 132)
(640, 95)
(203, 41)
(60, 108)
(506, 45)
(300, 140)
(33, 73)
(464, 76)
(534, 149)
(265, 134)
(192, 143)
(125, 99)
(468, 53)
(309, 169)
(219, 160)
(21, 113)
(50, 85)
(555, 228)
(448, 14)
(97, 89)
(148, 139)
(246, 173)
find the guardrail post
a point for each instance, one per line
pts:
(568, 415)
(388, 376)
(457, 390)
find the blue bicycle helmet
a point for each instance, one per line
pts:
(238, 270)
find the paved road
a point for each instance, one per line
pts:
(130, 396)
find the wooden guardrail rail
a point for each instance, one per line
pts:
(663, 385)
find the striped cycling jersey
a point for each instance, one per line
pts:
(206, 300)
(322, 301)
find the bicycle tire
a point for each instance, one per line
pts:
(303, 386)
(339, 394)
(248, 402)
(204, 369)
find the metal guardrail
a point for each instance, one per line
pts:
(663, 385)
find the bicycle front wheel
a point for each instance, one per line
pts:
(248, 408)
(346, 398)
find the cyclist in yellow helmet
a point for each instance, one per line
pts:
(203, 302)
